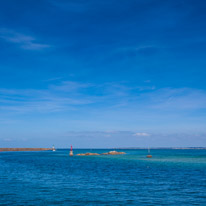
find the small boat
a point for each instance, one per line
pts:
(53, 148)
(149, 155)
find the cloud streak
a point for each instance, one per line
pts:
(144, 134)
(23, 41)
(70, 95)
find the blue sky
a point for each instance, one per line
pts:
(100, 74)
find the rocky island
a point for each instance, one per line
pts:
(107, 153)
(113, 153)
(87, 154)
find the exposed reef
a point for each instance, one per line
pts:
(107, 153)
(113, 153)
(87, 154)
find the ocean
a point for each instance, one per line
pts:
(170, 177)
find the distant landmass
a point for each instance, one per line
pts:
(161, 148)
(123, 148)
(23, 149)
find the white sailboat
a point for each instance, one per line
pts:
(53, 148)
(149, 155)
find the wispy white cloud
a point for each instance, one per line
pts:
(178, 98)
(69, 86)
(147, 81)
(25, 42)
(141, 134)
(7, 140)
(70, 95)
(133, 51)
(58, 97)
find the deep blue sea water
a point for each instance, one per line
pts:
(171, 177)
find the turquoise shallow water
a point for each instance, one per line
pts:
(171, 177)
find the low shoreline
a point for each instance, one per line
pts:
(23, 149)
